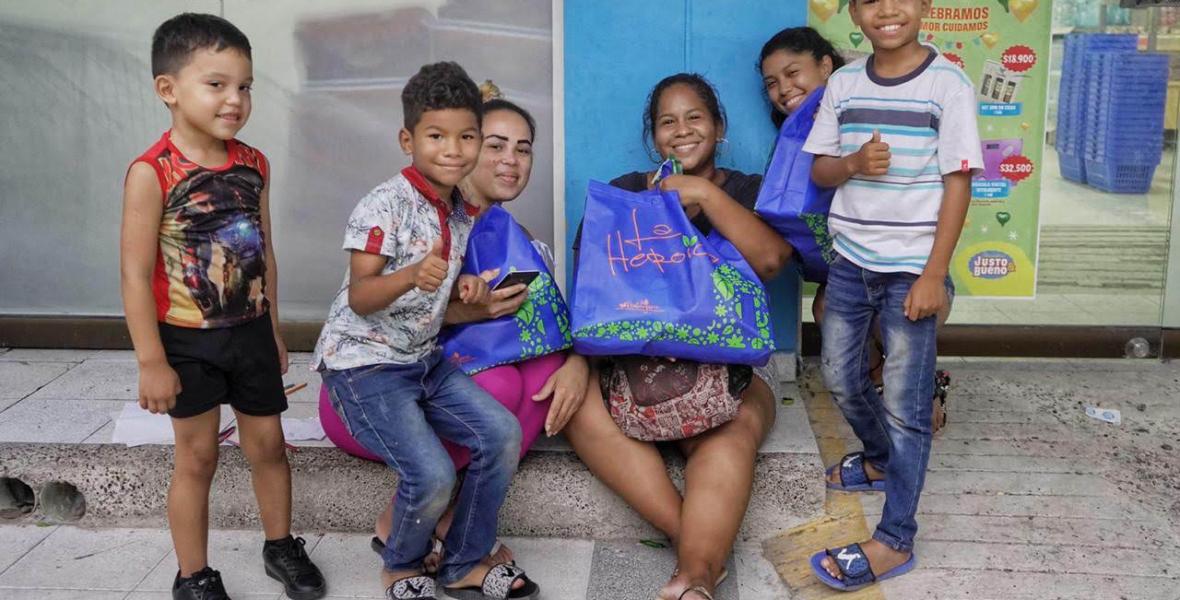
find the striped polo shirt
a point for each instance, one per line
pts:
(886, 223)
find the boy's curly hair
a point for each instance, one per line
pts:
(440, 86)
(178, 38)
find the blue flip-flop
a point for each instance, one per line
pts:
(853, 477)
(854, 565)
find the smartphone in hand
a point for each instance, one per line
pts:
(515, 277)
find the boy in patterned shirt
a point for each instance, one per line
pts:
(381, 362)
(199, 290)
(896, 132)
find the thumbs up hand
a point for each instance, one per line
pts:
(430, 272)
(872, 158)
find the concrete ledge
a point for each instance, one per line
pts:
(553, 493)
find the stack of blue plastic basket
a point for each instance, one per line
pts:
(1074, 93)
(1110, 112)
(1124, 138)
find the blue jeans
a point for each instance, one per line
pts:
(399, 412)
(895, 429)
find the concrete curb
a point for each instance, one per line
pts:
(553, 493)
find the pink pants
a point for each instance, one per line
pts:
(512, 385)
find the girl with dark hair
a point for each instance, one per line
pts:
(794, 63)
(685, 120)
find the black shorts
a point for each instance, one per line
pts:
(236, 365)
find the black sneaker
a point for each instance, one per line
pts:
(287, 562)
(203, 585)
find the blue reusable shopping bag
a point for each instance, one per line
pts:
(541, 326)
(788, 200)
(647, 282)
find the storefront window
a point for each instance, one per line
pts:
(328, 78)
(1101, 211)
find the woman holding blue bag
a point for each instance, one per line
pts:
(684, 120)
(795, 65)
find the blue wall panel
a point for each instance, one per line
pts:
(616, 51)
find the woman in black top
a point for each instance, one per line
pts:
(684, 119)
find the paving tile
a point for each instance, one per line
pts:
(1042, 484)
(298, 372)
(103, 435)
(560, 566)
(7, 402)
(1012, 466)
(1014, 431)
(965, 413)
(1051, 507)
(350, 566)
(55, 421)
(236, 554)
(756, 576)
(20, 378)
(628, 569)
(82, 559)
(993, 584)
(1045, 558)
(18, 540)
(47, 355)
(168, 596)
(95, 379)
(791, 433)
(49, 594)
(115, 355)
(1011, 447)
(1127, 534)
(789, 389)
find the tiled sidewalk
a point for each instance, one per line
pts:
(68, 563)
(1026, 496)
(70, 396)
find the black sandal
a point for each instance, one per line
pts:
(497, 585)
(414, 587)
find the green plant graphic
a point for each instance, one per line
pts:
(543, 298)
(731, 290)
(818, 224)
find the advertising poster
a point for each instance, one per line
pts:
(1003, 46)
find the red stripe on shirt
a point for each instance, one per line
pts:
(416, 179)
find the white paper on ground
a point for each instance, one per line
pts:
(1110, 415)
(302, 429)
(135, 426)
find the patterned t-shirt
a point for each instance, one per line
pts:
(886, 223)
(211, 263)
(399, 219)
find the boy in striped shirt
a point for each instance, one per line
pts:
(896, 132)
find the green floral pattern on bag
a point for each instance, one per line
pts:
(542, 296)
(818, 224)
(731, 291)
